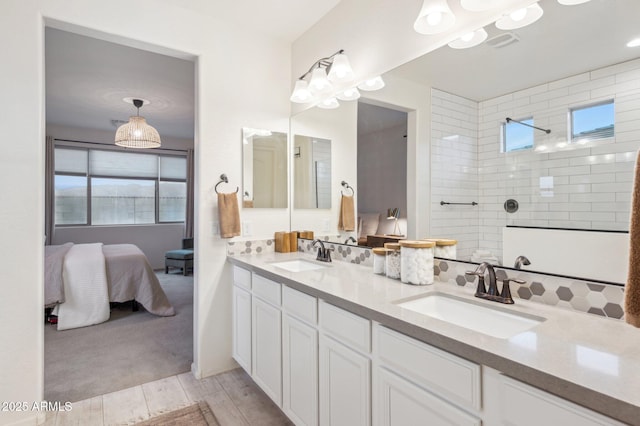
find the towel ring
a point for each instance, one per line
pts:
(225, 179)
(347, 186)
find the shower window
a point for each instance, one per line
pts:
(516, 137)
(592, 122)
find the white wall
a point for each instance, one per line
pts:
(229, 95)
(454, 170)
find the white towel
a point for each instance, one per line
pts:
(85, 287)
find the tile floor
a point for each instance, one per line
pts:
(232, 396)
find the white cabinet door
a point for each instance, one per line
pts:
(242, 327)
(513, 403)
(397, 402)
(267, 349)
(345, 385)
(300, 371)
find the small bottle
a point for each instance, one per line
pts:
(417, 262)
(393, 260)
(380, 260)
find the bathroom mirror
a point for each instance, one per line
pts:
(311, 172)
(562, 184)
(560, 180)
(264, 169)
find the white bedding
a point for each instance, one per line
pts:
(85, 287)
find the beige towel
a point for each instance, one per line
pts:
(229, 215)
(347, 219)
(632, 289)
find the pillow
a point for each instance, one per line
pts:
(368, 224)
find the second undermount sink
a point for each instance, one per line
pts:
(493, 321)
(298, 265)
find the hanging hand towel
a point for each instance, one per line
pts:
(347, 219)
(632, 289)
(229, 215)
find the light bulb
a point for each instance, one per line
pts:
(330, 103)
(434, 18)
(634, 43)
(340, 69)
(372, 84)
(319, 82)
(519, 14)
(467, 36)
(301, 93)
(137, 133)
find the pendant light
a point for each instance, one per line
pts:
(340, 69)
(350, 94)
(319, 83)
(137, 133)
(471, 39)
(434, 17)
(520, 18)
(301, 92)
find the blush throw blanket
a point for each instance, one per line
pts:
(85, 288)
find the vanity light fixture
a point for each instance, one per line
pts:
(471, 39)
(375, 83)
(634, 43)
(572, 2)
(323, 72)
(137, 133)
(520, 18)
(350, 94)
(480, 5)
(434, 17)
(329, 103)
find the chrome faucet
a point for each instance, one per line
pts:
(491, 293)
(521, 260)
(350, 239)
(324, 254)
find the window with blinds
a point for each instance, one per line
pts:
(592, 122)
(100, 187)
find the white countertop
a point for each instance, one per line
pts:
(591, 360)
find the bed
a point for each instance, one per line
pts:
(129, 276)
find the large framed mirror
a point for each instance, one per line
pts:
(562, 181)
(264, 169)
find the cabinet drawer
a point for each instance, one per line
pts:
(349, 328)
(445, 374)
(266, 289)
(242, 277)
(300, 305)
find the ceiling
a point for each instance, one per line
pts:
(87, 78)
(566, 41)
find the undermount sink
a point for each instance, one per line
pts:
(298, 265)
(479, 317)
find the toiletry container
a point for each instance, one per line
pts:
(445, 248)
(417, 262)
(392, 264)
(379, 260)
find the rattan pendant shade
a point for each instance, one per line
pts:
(137, 133)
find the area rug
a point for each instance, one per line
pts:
(199, 414)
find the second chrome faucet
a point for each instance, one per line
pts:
(491, 292)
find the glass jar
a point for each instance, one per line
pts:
(417, 262)
(380, 260)
(445, 248)
(392, 263)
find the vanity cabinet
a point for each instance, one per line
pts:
(511, 402)
(325, 365)
(345, 367)
(413, 380)
(300, 357)
(241, 318)
(267, 337)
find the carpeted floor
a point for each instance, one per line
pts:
(130, 349)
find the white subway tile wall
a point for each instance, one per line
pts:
(454, 171)
(563, 186)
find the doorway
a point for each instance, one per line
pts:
(86, 81)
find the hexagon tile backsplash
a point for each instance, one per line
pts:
(569, 293)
